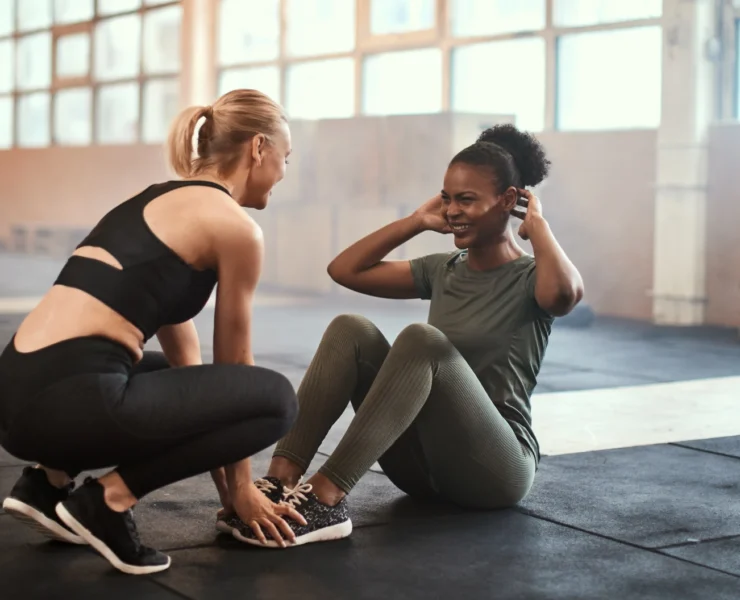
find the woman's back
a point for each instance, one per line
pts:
(147, 263)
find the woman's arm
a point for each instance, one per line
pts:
(240, 254)
(362, 267)
(237, 250)
(558, 286)
(180, 344)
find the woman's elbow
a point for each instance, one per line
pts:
(334, 272)
(562, 301)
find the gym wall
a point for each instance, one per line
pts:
(722, 226)
(350, 176)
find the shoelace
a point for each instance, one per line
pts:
(128, 517)
(264, 486)
(297, 495)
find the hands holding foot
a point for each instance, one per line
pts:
(261, 514)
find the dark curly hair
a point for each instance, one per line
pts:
(515, 158)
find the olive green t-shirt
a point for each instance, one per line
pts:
(494, 321)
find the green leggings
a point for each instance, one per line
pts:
(420, 412)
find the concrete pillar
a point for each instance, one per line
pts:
(198, 81)
(688, 105)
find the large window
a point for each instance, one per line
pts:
(610, 79)
(577, 13)
(494, 17)
(390, 88)
(505, 78)
(569, 64)
(72, 76)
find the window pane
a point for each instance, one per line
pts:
(114, 7)
(161, 103)
(480, 73)
(264, 79)
(6, 121)
(73, 55)
(407, 82)
(401, 16)
(162, 40)
(6, 59)
(117, 48)
(73, 117)
(117, 113)
(492, 17)
(610, 79)
(575, 13)
(320, 26)
(34, 14)
(307, 85)
(73, 11)
(34, 61)
(33, 120)
(248, 30)
(7, 17)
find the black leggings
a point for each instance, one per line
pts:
(82, 404)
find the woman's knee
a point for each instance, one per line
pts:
(286, 402)
(356, 331)
(424, 338)
(354, 326)
(276, 398)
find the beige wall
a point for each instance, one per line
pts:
(351, 176)
(599, 201)
(723, 224)
(69, 187)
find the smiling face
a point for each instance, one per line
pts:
(477, 214)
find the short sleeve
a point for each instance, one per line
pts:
(425, 269)
(530, 279)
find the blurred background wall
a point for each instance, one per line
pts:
(634, 100)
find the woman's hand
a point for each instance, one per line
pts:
(532, 217)
(431, 217)
(257, 511)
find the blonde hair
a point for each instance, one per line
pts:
(234, 119)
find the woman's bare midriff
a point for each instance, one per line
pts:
(65, 313)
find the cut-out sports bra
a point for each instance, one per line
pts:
(155, 287)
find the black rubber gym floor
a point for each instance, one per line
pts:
(653, 522)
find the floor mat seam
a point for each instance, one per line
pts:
(164, 586)
(705, 450)
(723, 538)
(626, 543)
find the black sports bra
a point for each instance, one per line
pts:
(155, 287)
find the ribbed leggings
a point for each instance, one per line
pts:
(420, 411)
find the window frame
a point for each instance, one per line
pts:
(439, 36)
(58, 84)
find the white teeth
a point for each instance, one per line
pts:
(459, 227)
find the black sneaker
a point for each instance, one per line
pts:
(32, 501)
(271, 487)
(111, 533)
(325, 522)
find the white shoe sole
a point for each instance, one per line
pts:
(224, 527)
(37, 520)
(327, 534)
(103, 549)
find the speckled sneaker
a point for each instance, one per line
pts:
(271, 487)
(324, 522)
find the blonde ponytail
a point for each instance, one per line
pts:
(180, 141)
